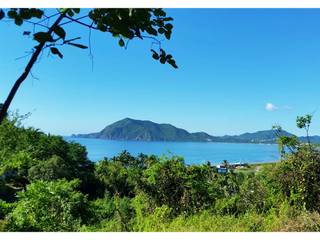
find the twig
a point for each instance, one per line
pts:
(18, 58)
(47, 18)
(77, 21)
(90, 46)
(36, 24)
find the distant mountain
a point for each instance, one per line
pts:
(139, 130)
(266, 136)
(313, 139)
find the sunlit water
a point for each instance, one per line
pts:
(193, 152)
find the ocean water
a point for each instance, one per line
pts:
(192, 152)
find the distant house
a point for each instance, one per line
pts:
(238, 165)
(222, 168)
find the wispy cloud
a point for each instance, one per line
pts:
(286, 107)
(271, 107)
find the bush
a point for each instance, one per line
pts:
(49, 206)
(298, 177)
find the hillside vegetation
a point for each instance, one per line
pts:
(138, 130)
(48, 184)
(142, 130)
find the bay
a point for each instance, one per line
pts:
(192, 152)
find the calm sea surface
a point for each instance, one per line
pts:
(193, 152)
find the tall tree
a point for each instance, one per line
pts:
(122, 24)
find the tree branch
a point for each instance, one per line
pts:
(36, 24)
(77, 21)
(24, 75)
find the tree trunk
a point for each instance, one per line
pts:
(5, 106)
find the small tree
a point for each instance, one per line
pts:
(298, 175)
(304, 122)
(123, 24)
(285, 142)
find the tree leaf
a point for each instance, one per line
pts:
(172, 63)
(38, 13)
(168, 34)
(60, 32)
(168, 19)
(25, 13)
(121, 43)
(12, 14)
(56, 51)
(42, 37)
(163, 60)
(168, 26)
(152, 31)
(78, 45)
(155, 56)
(1, 14)
(161, 30)
(18, 21)
(76, 10)
(169, 56)
(70, 13)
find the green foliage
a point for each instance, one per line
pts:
(120, 175)
(52, 169)
(5, 208)
(110, 214)
(21, 14)
(299, 177)
(48, 184)
(28, 154)
(254, 195)
(298, 174)
(165, 182)
(123, 24)
(131, 129)
(49, 206)
(304, 121)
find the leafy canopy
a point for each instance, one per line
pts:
(123, 24)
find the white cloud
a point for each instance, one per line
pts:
(270, 107)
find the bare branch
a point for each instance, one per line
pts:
(27, 55)
(77, 21)
(37, 24)
(47, 18)
(90, 46)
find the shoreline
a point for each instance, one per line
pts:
(143, 141)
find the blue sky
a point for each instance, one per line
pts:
(232, 63)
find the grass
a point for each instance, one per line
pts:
(253, 168)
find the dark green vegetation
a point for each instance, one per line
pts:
(48, 30)
(138, 130)
(48, 184)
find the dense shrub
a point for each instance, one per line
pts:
(48, 184)
(49, 206)
(298, 177)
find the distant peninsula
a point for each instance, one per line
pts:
(142, 130)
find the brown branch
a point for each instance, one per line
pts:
(24, 75)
